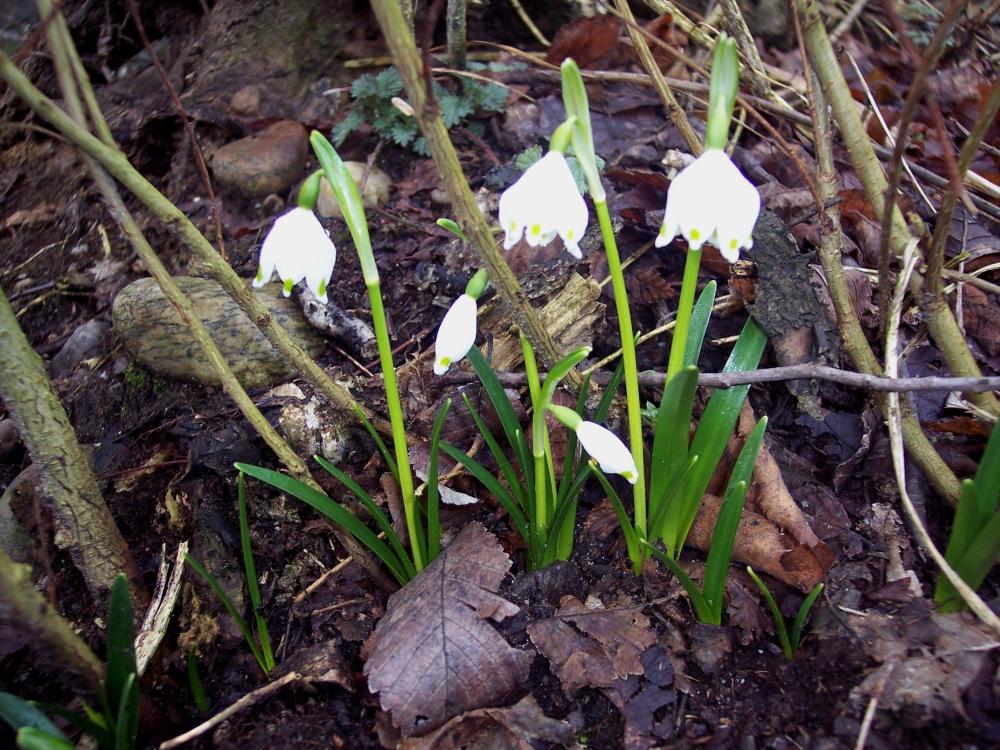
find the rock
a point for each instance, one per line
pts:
(312, 429)
(376, 190)
(14, 540)
(246, 101)
(153, 332)
(82, 342)
(266, 162)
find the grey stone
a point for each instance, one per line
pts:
(266, 162)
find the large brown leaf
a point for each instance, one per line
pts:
(433, 655)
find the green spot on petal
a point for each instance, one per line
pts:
(322, 288)
(695, 235)
(733, 244)
(445, 361)
(536, 229)
(288, 284)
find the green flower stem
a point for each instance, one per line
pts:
(539, 442)
(396, 420)
(628, 357)
(684, 307)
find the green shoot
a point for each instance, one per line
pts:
(790, 641)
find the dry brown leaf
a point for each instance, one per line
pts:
(586, 40)
(522, 726)
(433, 656)
(605, 645)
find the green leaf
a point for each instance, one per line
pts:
(32, 738)
(527, 157)
(250, 571)
(121, 640)
(779, 619)
(800, 618)
(127, 715)
(388, 83)
(973, 564)
(227, 603)
(698, 324)
(632, 541)
(669, 456)
(194, 681)
(712, 435)
(376, 512)
(333, 511)
(987, 477)
(379, 442)
(493, 97)
(702, 609)
(17, 713)
(504, 463)
(433, 507)
(490, 482)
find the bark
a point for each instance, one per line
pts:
(67, 480)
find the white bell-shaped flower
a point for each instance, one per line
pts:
(711, 201)
(543, 203)
(298, 248)
(456, 335)
(605, 448)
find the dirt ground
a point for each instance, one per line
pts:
(163, 448)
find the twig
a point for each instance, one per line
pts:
(976, 604)
(526, 20)
(865, 381)
(251, 698)
(199, 156)
(677, 113)
(866, 723)
(831, 250)
(848, 20)
(154, 624)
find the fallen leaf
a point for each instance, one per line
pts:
(522, 726)
(433, 657)
(586, 40)
(605, 645)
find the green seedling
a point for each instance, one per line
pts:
(115, 725)
(790, 641)
(974, 545)
(260, 646)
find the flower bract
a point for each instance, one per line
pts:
(605, 448)
(711, 201)
(544, 203)
(456, 335)
(298, 248)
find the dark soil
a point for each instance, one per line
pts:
(163, 450)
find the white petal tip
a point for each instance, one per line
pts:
(574, 250)
(440, 369)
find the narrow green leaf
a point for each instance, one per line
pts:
(669, 456)
(503, 408)
(127, 715)
(379, 442)
(490, 482)
(720, 550)
(712, 435)
(632, 540)
(702, 609)
(974, 564)
(120, 638)
(381, 520)
(563, 521)
(333, 511)
(17, 713)
(501, 458)
(779, 619)
(987, 477)
(227, 603)
(250, 570)
(698, 324)
(194, 681)
(32, 738)
(433, 499)
(802, 616)
(658, 519)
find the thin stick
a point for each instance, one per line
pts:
(154, 624)
(977, 605)
(251, 698)
(526, 20)
(848, 20)
(866, 723)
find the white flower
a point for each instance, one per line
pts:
(544, 202)
(297, 247)
(456, 335)
(711, 201)
(610, 452)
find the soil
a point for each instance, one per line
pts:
(163, 450)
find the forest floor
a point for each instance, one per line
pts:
(641, 671)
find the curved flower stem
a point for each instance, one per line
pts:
(684, 307)
(628, 357)
(539, 445)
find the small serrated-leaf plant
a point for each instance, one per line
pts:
(115, 724)
(372, 96)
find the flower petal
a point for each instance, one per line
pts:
(298, 248)
(456, 335)
(610, 452)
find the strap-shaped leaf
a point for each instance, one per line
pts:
(379, 442)
(501, 458)
(17, 713)
(433, 496)
(121, 640)
(251, 575)
(700, 605)
(669, 457)
(632, 541)
(800, 618)
(700, 315)
(32, 738)
(333, 511)
(127, 715)
(493, 485)
(504, 410)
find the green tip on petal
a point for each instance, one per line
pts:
(322, 288)
(695, 235)
(259, 278)
(445, 361)
(287, 286)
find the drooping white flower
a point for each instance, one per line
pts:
(610, 452)
(456, 335)
(298, 248)
(711, 201)
(543, 203)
